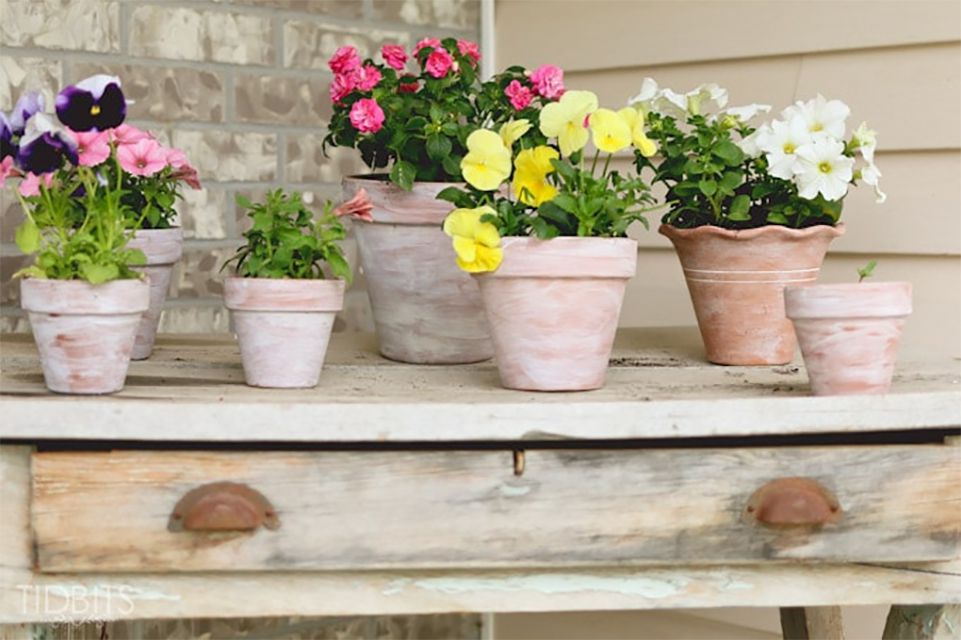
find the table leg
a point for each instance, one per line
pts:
(923, 622)
(812, 623)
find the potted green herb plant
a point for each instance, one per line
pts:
(849, 333)
(409, 115)
(543, 230)
(282, 301)
(751, 210)
(82, 294)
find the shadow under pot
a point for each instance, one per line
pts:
(736, 281)
(162, 248)
(283, 327)
(426, 310)
(84, 332)
(849, 333)
(553, 308)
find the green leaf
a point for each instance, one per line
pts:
(99, 273)
(33, 271)
(28, 237)
(438, 147)
(776, 217)
(403, 174)
(707, 187)
(730, 181)
(136, 257)
(740, 206)
(729, 152)
(867, 270)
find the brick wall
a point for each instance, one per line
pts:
(240, 85)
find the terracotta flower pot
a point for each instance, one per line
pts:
(426, 310)
(849, 333)
(84, 332)
(553, 307)
(283, 327)
(736, 280)
(163, 248)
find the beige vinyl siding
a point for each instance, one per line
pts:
(897, 64)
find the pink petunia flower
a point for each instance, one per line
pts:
(359, 207)
(6, 170)
(548, 81)
(341, 86)
(394, 55)
(188, 174)
(367, 116)
(126, 134)
(93, 147)
(520, 96)
(439, 62)
(143, 158)
(426, 43)
(469, 49)
(176, 158)
(368, 77)
(344, 60)
(30, 185)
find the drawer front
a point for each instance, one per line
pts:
(358, 510)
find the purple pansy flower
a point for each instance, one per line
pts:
(7, 146)
(44, 146)
(96, 103)
(29, 103)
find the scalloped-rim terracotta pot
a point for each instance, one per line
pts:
(553, 307)
(283, 327)
(736, 280)
(84, 332)
(163, 248)
(426, 310)
(849, 333)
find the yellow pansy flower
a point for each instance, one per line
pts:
(512, 130)
(476, 243)
(564, 120)
(635, 120)
(488, 162)
(530, 176)
(611, 133)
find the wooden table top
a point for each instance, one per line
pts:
(659, 386)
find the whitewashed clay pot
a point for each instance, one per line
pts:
(163, 248)
(553, 307)
(84, 332)
(426, 310)
(736, 280)
(283, 327)
(849, 333)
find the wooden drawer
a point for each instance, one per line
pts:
(405, 509)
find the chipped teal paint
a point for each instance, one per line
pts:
(513, 491)
(547, 584)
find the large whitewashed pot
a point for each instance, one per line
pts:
(553, 307)
(283, 327)
(84, 332)
(426, 310)
(163, 248)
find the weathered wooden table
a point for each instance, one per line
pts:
(393, 488)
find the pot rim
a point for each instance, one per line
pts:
(315, 295)
(673, 232)
(890, 299)
(566, 257)
(384, 178)
(393, 205)
(80, 298)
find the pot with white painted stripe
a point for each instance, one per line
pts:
(736, 280)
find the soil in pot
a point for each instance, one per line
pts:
(849, 333)
(736, 280)
(426, 310)
(553, 308)
(163, 248)
(84, 333)
(283, 327)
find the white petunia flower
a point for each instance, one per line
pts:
(678, 105)
(866, 141)
(747, 112)
(871, 175)
(823, 168)
(820, 115)
(646, 96)
(749, 144)
(780, 143)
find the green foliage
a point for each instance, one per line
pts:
(867, 270)
(710, 180)
(424, 133)
(78, 230)
(285, 241)
(150, 200)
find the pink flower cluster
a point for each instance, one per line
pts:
(350, 74)
(547, 81)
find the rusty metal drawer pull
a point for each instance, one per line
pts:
(789, 502)
(223, 506)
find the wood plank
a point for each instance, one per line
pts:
(461, 509)
(923, 622)
(658, 386)
(812, 623)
